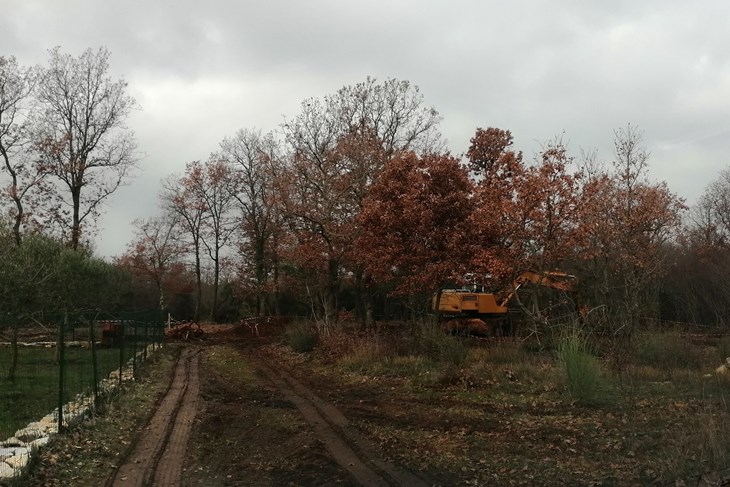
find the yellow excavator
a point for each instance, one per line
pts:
(478, 312)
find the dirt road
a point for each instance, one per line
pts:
(157, 457)
(265, 428)
(348, 448)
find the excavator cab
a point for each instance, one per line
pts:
(463, 301)
(484, 313)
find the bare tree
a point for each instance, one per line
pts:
(214, 183)
(179, 199)
(83, 140)
(250, 154)
(393, 111)
(701, 293)
(626, 222)
(712, 212)
(203, 200)
(16, 87)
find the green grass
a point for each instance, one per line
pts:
(34, 393)
(431, 342)
(230, 365)
(667, 352)
(580, 369)
(88, 454)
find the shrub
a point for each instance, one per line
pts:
(301, 337)
(430, 341)
(580, 369)
(723, 348)
(666, 351)
(338, 343)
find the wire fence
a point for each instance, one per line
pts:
(45, 367)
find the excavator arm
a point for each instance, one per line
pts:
(551, 279)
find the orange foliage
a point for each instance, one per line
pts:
(416, 223)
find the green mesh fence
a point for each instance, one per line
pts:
(61, 359)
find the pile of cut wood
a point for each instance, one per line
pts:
(185, 332)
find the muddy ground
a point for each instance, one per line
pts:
(239, 408)
(261, 423)
(224, 414)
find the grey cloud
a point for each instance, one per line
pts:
(201, 70)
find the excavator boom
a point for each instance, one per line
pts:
(552, 279)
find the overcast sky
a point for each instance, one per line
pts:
(202, 70)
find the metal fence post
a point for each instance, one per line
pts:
(121, 349)
(94, 365)
(159, 333)
(134, 351)
(146, 340)
(61, 365)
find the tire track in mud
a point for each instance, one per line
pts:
(351, 450)
(158, 454)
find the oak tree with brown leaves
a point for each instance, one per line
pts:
(498, 171)
(545, 208)
(338, 146)
(156, 255)
(624, 224)
(416, 224)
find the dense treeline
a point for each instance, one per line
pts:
(355, 206)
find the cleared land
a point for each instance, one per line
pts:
(383, 409)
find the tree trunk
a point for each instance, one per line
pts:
(14, 194)
(360, 297)
(277, 301)
(260, 271)
(330, 297)
(216, 277)
(363, 299)
(76, 224)
(18, 216)
(369, 315)
(199, 284)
